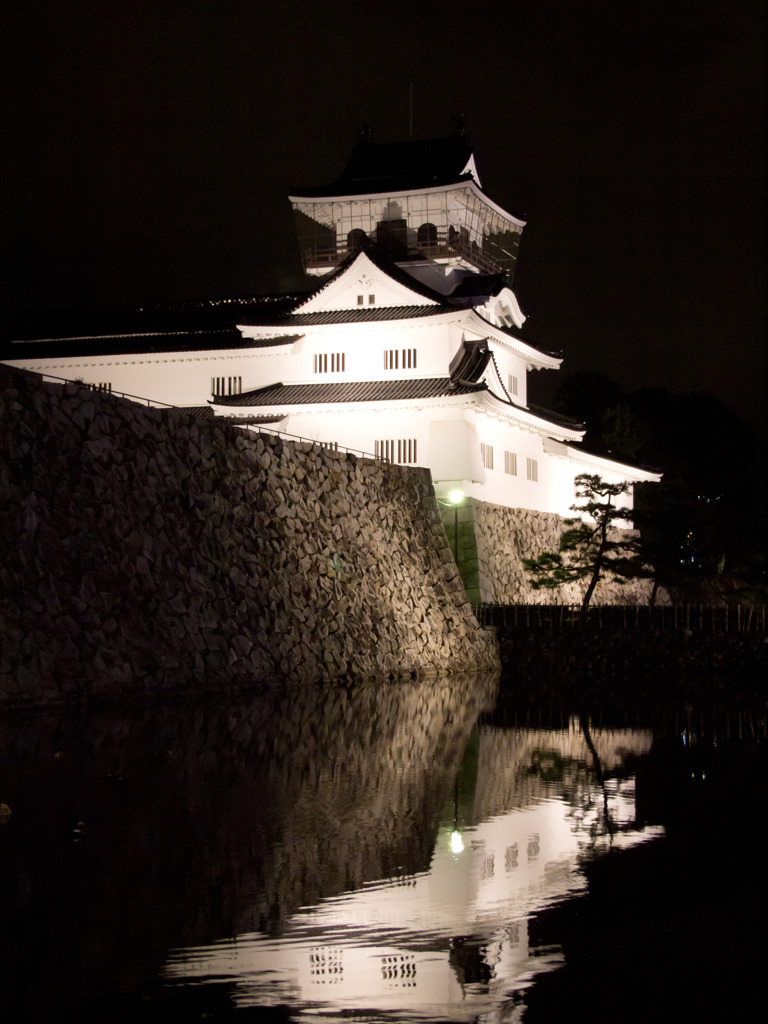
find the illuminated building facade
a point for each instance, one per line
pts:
(406, 347)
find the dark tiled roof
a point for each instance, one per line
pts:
(200, 412)
(205, 314)
(181, 341)
(593, 446)
(555, 417)
(363, 314)
(470, 361)
(349, 391)
(399, 167)
(244, 421)
(479, 284)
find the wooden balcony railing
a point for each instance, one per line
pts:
(441, 247)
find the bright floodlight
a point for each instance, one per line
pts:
(455, 497)
(457, 843)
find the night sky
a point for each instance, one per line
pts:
(150, 144)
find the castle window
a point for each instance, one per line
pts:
(486, 450)
(512, 385)
(510, 463)
(402, 450)
(371, 300)
(426, 236)
(355, 238)
(392, 357)
(323, 362)
(226, 386)
(360, 300)
(532, 469)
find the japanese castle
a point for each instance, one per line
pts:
(406, 346)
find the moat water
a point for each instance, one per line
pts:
(431, 851)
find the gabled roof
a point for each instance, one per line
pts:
(349, 391)
(409, 288)
(399, 167)
(381, 262)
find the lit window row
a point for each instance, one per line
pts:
(226, 386)
(325, 362)
(401, 450)
(510, 463)
(394, 358)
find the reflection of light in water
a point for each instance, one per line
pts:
(451, 942)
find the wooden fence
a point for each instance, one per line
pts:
(617, 618)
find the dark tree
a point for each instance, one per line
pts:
(590, 547)
(702, 527)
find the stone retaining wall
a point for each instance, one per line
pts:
(494, 540)
(151, 550)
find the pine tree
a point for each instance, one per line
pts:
(588, 548)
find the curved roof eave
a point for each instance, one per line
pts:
(324, 322)
(483, 397)
(535, 356)
(281, 410)
(468, 182)
(529, 420)
(635, 473)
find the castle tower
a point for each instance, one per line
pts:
(421, 202)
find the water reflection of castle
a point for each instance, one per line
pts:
(321, 827)
(509, 843)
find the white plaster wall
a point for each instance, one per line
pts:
(359, 430)
(508, 363)
(439, 447)
(182, 378)
(364, 346)
(518, 491)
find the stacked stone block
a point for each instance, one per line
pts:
(150, 550)
(494, 540)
